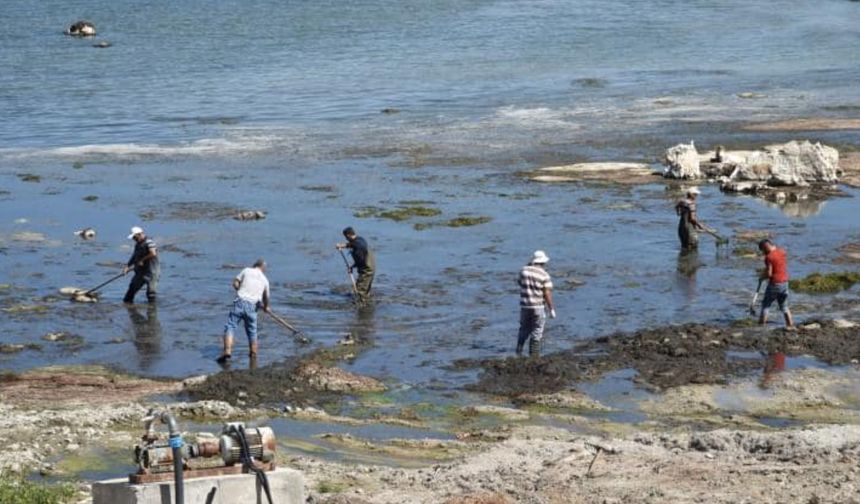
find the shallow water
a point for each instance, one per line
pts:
(441, 293)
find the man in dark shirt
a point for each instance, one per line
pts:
(144, 262)
(363, 261)
(688, 224)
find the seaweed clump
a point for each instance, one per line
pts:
(398, 214)
(819, 283)
(463, 221)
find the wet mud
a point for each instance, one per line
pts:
(308, 380)
(664, 357)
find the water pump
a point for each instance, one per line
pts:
(235, 450)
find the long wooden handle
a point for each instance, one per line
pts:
(283, 322)
(99, 286)
(351, 278)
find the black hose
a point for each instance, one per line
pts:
(179, 484)
(248, 461)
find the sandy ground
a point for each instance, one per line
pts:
(696, 445)
(547, 466)
(806, 124)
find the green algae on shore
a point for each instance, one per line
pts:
(457, 222)
(17, 490)
(30, 177)
(825, 283)
(397, 214)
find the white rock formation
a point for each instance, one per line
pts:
(682, 162)
(792, 163)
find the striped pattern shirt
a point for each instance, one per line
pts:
(533, 280)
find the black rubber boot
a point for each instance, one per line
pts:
(519, 347)
(534, 348)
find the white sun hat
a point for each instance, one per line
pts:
(694, 190)
(540, 257)
(135, 230)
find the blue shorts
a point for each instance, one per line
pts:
(776, 292)
(246, 312)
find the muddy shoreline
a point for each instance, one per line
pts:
(665, 357)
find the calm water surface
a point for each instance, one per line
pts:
(206, 106)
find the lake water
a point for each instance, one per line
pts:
(202, 107)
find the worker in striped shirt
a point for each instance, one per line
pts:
(535, 303)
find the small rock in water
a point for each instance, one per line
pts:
(390, 110)
(55, 336)
(86, 233)
(81, 28)
(9, 348)
(250, 215)
(102, 45)
(748, 95)
(85, 298)
(844, 324)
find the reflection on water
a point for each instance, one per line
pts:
(800, 209)
(773, 365)
(362, 326)
(147, 333)
(688, 265)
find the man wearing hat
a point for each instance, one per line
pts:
(688, 224)
(144, 262)
(535, 303)
(363, 261)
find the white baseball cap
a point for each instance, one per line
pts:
(540, 257)
(135, 230)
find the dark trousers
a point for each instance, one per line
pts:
(688, 236)
(137, 282)
(362, 286)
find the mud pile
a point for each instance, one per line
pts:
(665, 357)
(294, 381)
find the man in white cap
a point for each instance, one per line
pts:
(144, 262)
(535, 303)
(688, 222)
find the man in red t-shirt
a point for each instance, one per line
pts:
(776, 273)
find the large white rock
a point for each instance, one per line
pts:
(792, 163)
(682, 162)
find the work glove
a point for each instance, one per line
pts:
(552, 313)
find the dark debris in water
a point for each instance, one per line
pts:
(191, 210)
(664, 357)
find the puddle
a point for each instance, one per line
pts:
(93, 464)
(618, 391)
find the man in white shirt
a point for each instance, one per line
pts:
(535, 303)
(252, 292)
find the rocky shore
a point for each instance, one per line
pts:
(725, 432)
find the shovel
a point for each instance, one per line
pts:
(88, 296)
(297, 334)
(755, 296)
(348, 272)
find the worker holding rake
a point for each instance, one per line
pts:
(252, 293)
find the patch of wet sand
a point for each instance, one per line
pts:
(805, 124)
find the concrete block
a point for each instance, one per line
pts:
(287, 487)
